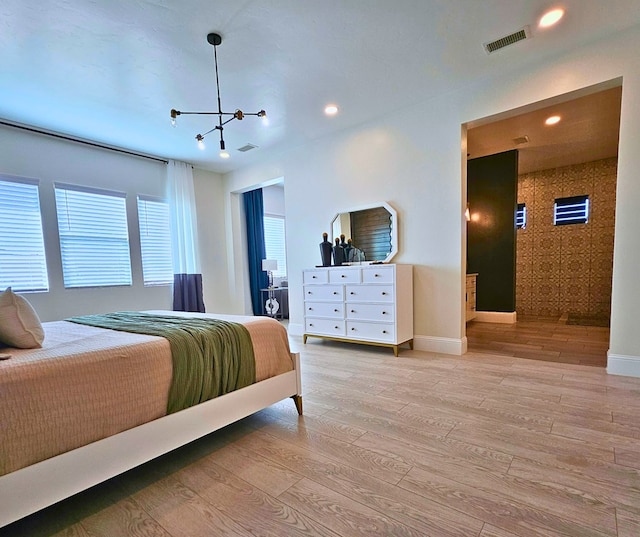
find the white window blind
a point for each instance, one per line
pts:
(155, 241)
(521, 216)
(94, 237)
(571, 210)
(275, 242)
(23, 265)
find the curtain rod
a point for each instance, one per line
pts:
(79, 141)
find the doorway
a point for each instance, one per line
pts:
(563, 273)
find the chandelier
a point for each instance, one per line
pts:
(223, 117)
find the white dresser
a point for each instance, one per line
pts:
(370, 304)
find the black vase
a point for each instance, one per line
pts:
(338, 254)
(325, 251)
(347, 251)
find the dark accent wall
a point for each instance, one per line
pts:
(492, 186)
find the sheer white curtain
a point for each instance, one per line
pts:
(187, 285)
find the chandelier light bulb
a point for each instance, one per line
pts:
(224, 154)
(551, 17)
(200, 139)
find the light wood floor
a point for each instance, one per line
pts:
(535, 338)
(420, 445)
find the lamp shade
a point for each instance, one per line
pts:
(269, 264)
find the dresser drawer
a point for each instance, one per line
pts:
(325, 327)
(377, 274)
(370, 293)
(345, 275)
(324, 292)
(315, 276)
(324, 309)
(382, 332)
(370, 312)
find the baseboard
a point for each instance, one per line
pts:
(496, 317)
(442, 345)
(618, 364)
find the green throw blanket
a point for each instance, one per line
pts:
(210, 357)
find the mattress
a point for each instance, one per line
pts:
(88, 383)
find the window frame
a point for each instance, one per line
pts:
(149, 282)
(563, 206)
(75, 271)
(38, 248)
(521, 216)
(282, 271)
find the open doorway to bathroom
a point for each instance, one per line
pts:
(563, 224)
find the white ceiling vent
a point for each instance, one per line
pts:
(511, 39)
(247, 147)
(521, 140)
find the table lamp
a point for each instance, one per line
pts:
(269, 265)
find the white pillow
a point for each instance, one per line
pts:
(19, 323)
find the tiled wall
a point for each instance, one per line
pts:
(566, 269)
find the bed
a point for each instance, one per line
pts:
(94, 402)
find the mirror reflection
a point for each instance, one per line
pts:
(372, 230)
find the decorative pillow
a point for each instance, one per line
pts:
(19, 323)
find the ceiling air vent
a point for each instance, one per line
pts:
(507, 40)
(247, 147)
(521, 140)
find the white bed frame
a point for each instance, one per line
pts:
(40, 485)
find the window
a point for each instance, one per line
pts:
(155, 241)
(23, 265)
(94, 238)
(275, 242)
(573, 210)
(521, 216)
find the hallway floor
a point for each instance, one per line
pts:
(536, 338)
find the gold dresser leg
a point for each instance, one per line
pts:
(297, 399)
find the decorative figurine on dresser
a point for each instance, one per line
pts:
(370, 304)
(338, 253)
(325, 250)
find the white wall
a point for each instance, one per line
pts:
(415, 160)
(273, 200)
(48, 159)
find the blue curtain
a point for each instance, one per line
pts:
(258, 279)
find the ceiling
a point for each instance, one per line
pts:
(588, 130)
(110, 70)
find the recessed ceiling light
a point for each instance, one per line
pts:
(552, 120)
(331, 109)
(551, 17)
